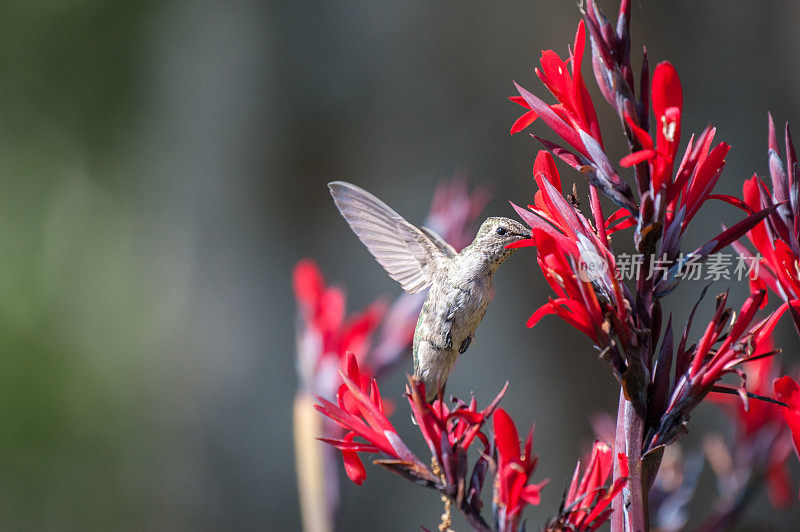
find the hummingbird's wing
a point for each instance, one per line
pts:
(440, 242)
(404, 251)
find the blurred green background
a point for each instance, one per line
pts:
(163, 166)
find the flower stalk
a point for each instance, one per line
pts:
(316, 504)
(630, 506)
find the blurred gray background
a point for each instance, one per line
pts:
(163, 169)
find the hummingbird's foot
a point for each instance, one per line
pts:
(448, 341)
(465, 345)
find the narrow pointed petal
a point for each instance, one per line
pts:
(506, 436)
(524, 121)
(788, 391)
(636, 157)
(739, 229)
(551, 118)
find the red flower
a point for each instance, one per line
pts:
(575, 113)
(449, 432)
(788, 391)
(444, 429)
(667, 98)
(709, 366)
(760, 444)
(513, 470)
(360, 410)
(325, 334)
(701, 366)
(760, 373)
(576, 262)
(776, 241)
(701, 166)
(586, 504)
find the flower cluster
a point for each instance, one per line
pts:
(514, 467)
(564, 239)
(449, 433)
(666, 200)
(728, 341)
(661, 385)
(591, 300)
(360, 410)
(324, 333)
(777, 239)
(586, 505)
(574, 119)
(760, 443)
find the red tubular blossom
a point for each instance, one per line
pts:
(564, 80)
(760, 373)
(776, 241)
(667, 99)
(577, 303)
(788, 391)
(760, 443)
(586, 505)
(710, 362)
(325, 334)
(739, 345)
(448, 431)
(699, 169)
(360, 411)
(575, 261)
(442, 427)
(514, 468)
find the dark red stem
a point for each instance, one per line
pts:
(630, 506)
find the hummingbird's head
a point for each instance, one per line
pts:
(495, 234)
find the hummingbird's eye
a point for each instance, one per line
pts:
(501, 231)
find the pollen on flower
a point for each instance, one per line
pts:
(602, 447)
(557, 277)
(668, 128)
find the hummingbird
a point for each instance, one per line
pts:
(418, 258)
